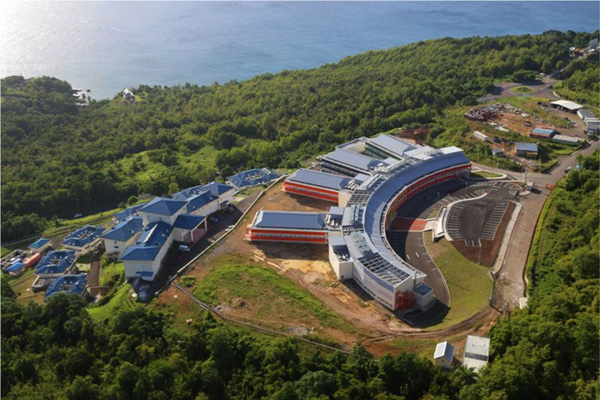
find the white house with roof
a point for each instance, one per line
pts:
(162, 209)
(444, 355)
(122, 235)
(144, 259)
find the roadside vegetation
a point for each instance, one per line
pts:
(581, 83)
(551, 348)
(59, 159)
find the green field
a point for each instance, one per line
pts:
(484, 175)
(266, 295)
(5, 251)
(522, 89)
(469, 283)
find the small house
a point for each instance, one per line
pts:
(253, 177)
(497, 152)
(39, 246)
(444, 355)
(83, 239)
(527, 150)
(566, 139)
(128, 95)
(592, 126)
(480, 136)
(542, 132)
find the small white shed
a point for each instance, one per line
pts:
(444, 355)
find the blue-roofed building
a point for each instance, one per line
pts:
(162, 209)
(527, 150)
(351, 163)
(83, 239)
(127, 213)
(253, 177)
(70, 284)
(15, 268)
(189, 228)
(144, 259)
(444, 355)
(543, 133)
(317, 184)
(40, 245)
(203, 203)
(215, 188)
(123, 234)
(288, 226)
(358, 246)
(384, 146)
(54, 264)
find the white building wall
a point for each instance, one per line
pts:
(342, 269)
(443, 362)
(134, 268)
(424, 301)
(118, 247)
(148, 218)
(207, 209)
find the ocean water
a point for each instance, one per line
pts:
(106, 46)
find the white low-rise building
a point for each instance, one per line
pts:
(444, 355)
(477, 352)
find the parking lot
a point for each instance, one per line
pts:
(477, 217)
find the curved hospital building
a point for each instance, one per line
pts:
(369, 179)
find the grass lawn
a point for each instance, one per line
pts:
(21, 283)
(522, 89)
(484, 175)
(119, 301)
(5, 251)
(110, 273)
(423, 347)
(469, 283)
(266, 295)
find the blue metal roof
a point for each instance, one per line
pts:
(374, 210)
(128, 212)
(189, 222)
(41, 242)
(163, 206)
(123, 231)
(253, 177)
(147, 246)
(140, 253)
(15, 266)
(155, 234)
(83, 236)
(198, 201)
(353, 159)
(290, 220)
(215, 188)
(56, 262)
(522, 146)
(391, 144)
(70, 284)
(320, 179)
(543, 132)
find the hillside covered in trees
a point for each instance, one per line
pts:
(59, 159)
(549, 350)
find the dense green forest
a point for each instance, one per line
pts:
(549, 350)
(59, 159)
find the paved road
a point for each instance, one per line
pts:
(504, 90)
(510, 278)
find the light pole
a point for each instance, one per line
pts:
(466, 183)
